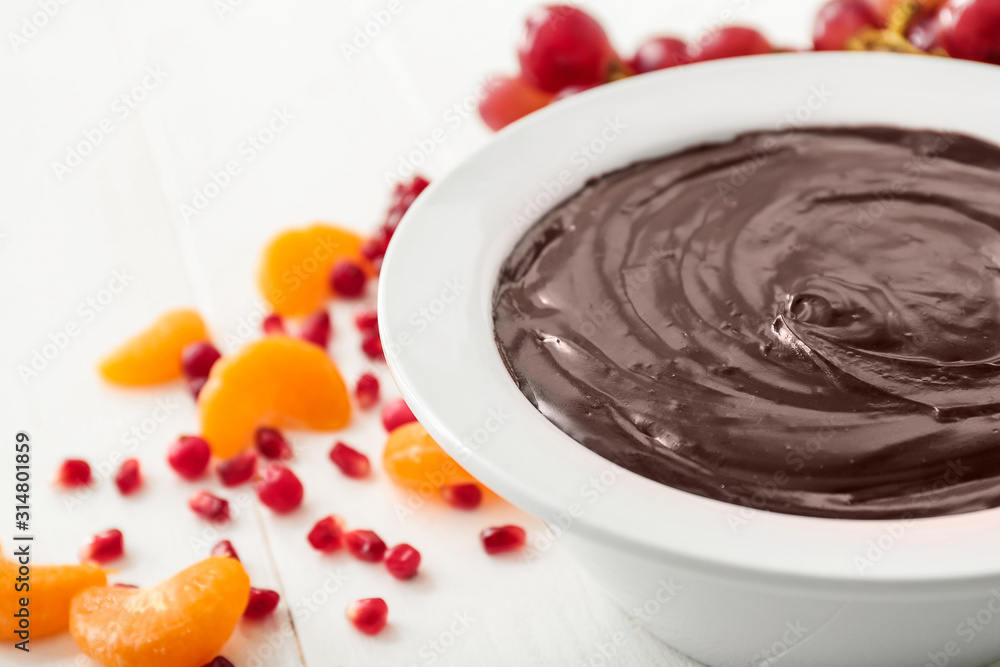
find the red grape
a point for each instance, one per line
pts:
(509, 98)
(562, 46)
(659, 53)
(883, 8)
(924, 33)
(970, 29)
(839, 20)
(729, 43)
(570, 91)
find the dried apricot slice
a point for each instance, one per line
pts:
(280, 382)
(50, 589)
(181, 622)
(295, 266)
(412, 458)
(154, 354)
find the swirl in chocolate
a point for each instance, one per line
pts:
(805, 322)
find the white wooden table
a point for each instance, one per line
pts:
(118, 117)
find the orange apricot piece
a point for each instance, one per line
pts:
(280, 382)
(153, 355)
(181, 622)
(412, 458)
(50, 589)
(295, 265)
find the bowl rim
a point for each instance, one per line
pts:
(448, 377)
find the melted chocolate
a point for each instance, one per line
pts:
(805, 322)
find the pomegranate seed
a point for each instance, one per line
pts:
(366, 391)
(375, 246)
(225, 548)
(368, 615)
(189, 456)
(279, 488)
(238, 469)
(564, 46)
(503, 538)
(347, 278)
(395, 414)
(366, 320)
(208, 506)
(261, 603)
(73, 473)
(128, 478)
(103, 547)
(198, 358)
(350, 461)
(463, 496)
(403, 196)
(271, 444)
(371, 345)
(365, 545)
(316, 329)
(402, 561)
(328, 534)
(273, 325)
(219, 661)
(195, 385)
(121, 585)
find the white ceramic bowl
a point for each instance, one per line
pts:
(726, 585)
